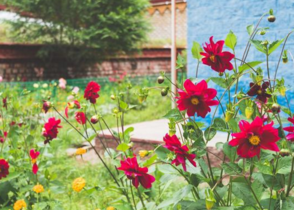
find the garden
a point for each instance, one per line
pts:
(247, 102)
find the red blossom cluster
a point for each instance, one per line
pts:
(50, 129)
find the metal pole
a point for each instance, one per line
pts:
(173, 50)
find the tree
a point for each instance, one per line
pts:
(81, 31)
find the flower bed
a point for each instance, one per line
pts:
(254, 167)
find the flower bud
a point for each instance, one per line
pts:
(130, 145)
(164, 91)
(248, 112)
(46, 106)
(160, 79)
(209, 199)
(276, 108)
(284, 152)
(285, 59)
(94, 119)
(262, 32)
(271, 18)
(229, 115)
(265, 43)
(113, 97)
(221, 74)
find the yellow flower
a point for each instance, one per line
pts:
(38, 188)
(143, 153)
(78, 184)
(81, 151)
(19, 205)
(110, 208)
(98, 209)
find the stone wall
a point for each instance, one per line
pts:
(20, 63)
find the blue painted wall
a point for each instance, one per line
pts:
(217, 17)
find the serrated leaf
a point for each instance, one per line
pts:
(219, 124)
(209, 133)
(150, 161)
(231, 168)
(257, 44)
(284, 165)
(173, 113)
(249, 65)
(231, 40)
(274, 45)
(230, 151)
(196, 49)
(219, 81)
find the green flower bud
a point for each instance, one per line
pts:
(249, 112)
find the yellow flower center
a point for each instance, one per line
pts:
(195, 100)
(212, 58)
(259, 92)
(254, 140)
(34, 161)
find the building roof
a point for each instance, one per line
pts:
(156, 2)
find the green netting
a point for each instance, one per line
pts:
(52, 86)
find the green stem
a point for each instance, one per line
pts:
(133, 197)
(141, 199)
(290, 177)
(197, 69)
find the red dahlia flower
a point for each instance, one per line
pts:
(72, 105)
(80, 117)
(91, 92)
(214, 57)
(50, 129)
(197, 98)
(46, 106)
(34, 155)
(173, 144)
(135, 173)
(3, 138)
(255, 136)
(4, 168)
(260, 91)
(290, 129)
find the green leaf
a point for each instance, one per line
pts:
(233, 124)
(175, 114)
(265, 169)
(162, 153)
(231, 168)
(150, 161)
(250, 29)
(209, 133)
(91, 137)
(249, 65)
(191, 205)
(257, 44)
(288, 204)
(123, 147)
(230, 151)
(123, 105)
(219, 81)
(274, 45)
(284, 165)
(177, 197)
(219, 124)
(231, 40)
(196, 49)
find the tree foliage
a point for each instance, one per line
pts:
(76, 28)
